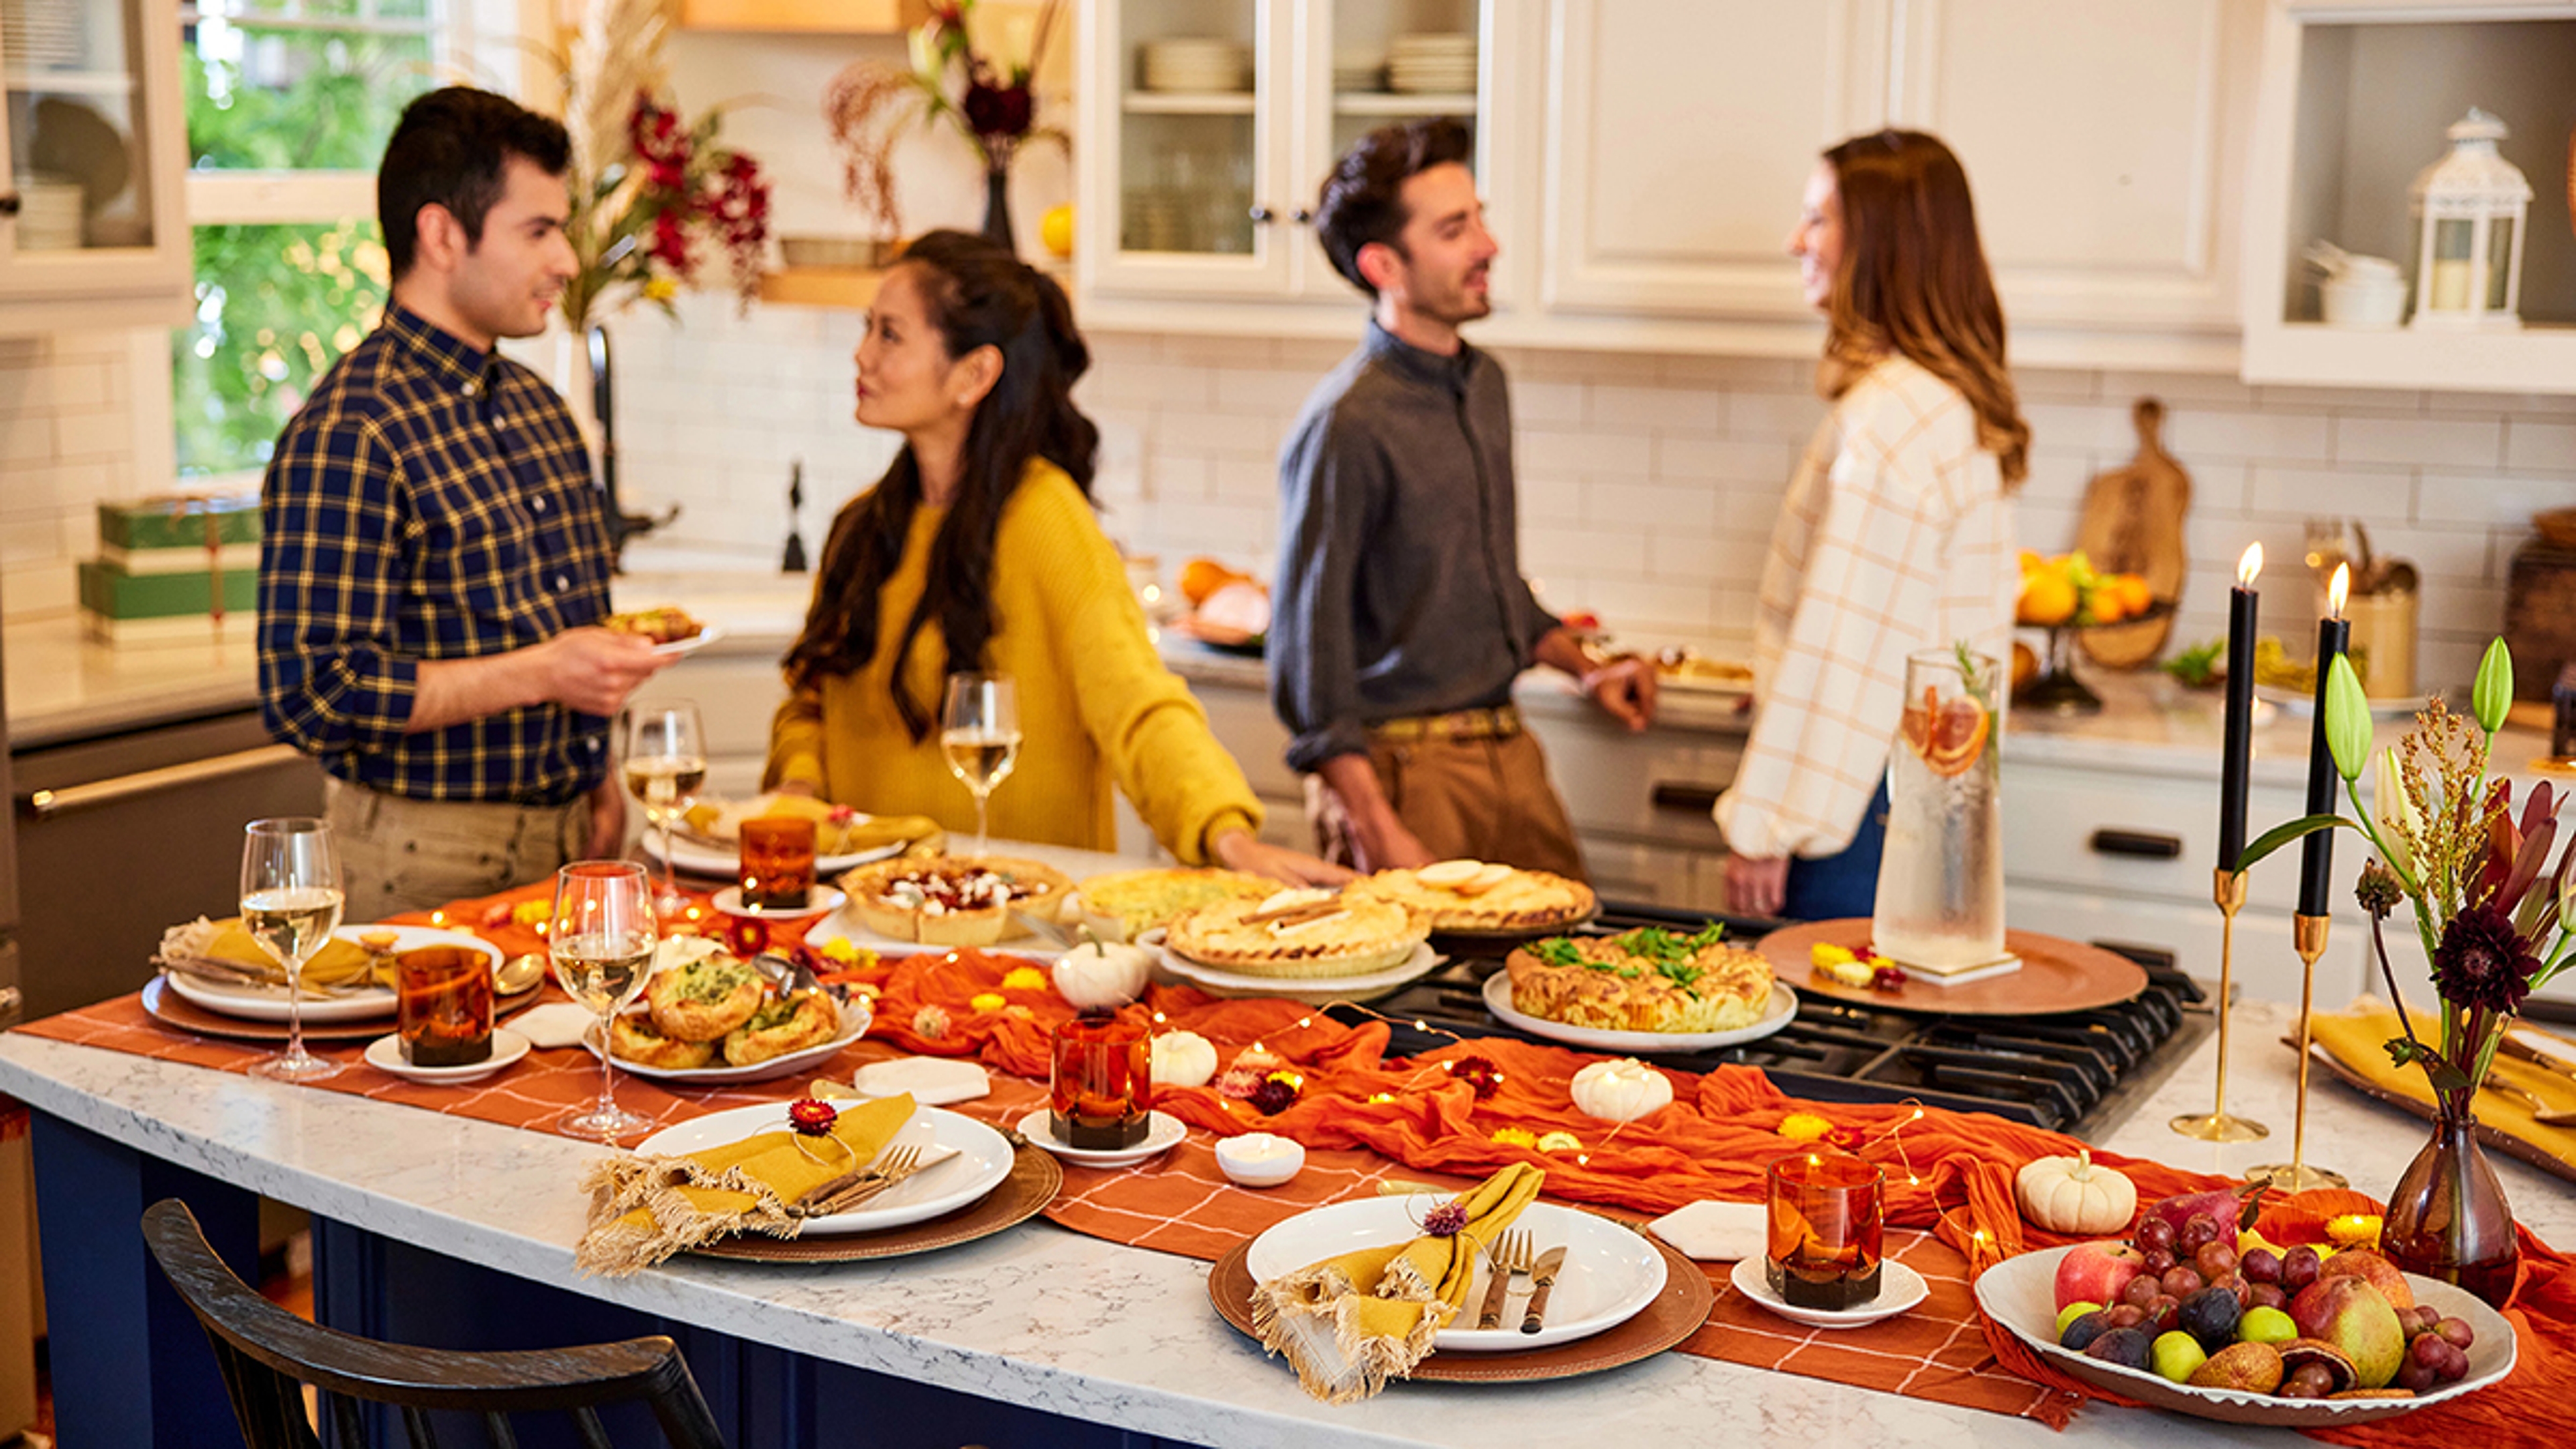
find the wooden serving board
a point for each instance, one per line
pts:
(2132, 524)
(2056, 975)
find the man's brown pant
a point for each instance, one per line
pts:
(1480, 799)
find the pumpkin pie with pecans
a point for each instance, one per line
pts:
(1649, 979)
(952, 900)
(1300, 934)
(1472, 895)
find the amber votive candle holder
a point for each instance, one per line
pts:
(443, 1006)
(1102, 1087)
(777, 863)
(1827, 1230)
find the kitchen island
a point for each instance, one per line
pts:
(1037, 1317)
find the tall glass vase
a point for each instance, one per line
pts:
(997, 205)
(2447, 1217)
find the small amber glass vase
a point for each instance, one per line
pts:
(777, 864)
(1827, 1230)
(2447, 1216)
(443, 1006)
(1102, 1089)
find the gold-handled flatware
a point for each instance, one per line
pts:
(1505, 1262)
(843, 1194)
(520, 973)
(1544, 1278)
(2541, 1111)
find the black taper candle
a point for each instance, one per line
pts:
(2236, 761)
(2316, 853)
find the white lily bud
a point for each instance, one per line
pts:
(2395, 813)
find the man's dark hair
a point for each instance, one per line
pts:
(450, 147)
(1363, 199)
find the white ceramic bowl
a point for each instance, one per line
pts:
(2370, 302)
(1235, 1156)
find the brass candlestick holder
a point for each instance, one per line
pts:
(2228, 890)
(2308, 934)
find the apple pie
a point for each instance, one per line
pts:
(1122, 905)
(1471, 895)
(953, 901)
(1300, 935)
(1649, 979)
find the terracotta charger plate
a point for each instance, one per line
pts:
(2056, 975)
(171, 1009)
(1021, 1196)
(1676, 1314)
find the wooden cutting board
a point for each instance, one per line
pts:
(2132, 524)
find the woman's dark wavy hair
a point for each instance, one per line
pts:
(979, 295)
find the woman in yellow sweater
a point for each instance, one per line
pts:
(978, 551)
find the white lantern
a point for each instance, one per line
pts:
(2469, 209)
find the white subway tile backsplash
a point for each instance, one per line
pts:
(2471, 442)
(1546, 402)
(1659, 407)
(2333, 492)
(1773, 414)
(2192, 433)
(2093, 427)
(2540, 445)
(1653, 508)
(1590, 551)
(1765, 465)
(1224, 435)
(2497, 500)
(1591, 454)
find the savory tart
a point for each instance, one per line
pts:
(1122, 905)
(634, 1039)
(950, 900)
(1649, 979)
(838, 829)
(668, 624)
(701, 1000)
(791, 1023)
(1294, 935)
(1471, 895)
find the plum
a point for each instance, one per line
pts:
(2127, 1347)
(2087, 1327)
(2210, 1316)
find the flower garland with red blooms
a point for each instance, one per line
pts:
(649, 215)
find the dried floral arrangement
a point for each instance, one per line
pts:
(979, 83)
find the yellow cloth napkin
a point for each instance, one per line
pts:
(336, 962)
(2356, 1040)
(644, 1209)
(1352, 1321)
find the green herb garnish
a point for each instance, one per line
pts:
(1558, 951)
(1661, 946)
(2200, 666)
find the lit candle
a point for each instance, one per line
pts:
(2316, 853)
(2236, 762)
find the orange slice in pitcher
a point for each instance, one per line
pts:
(1949, 737)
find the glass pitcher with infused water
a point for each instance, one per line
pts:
(1941, 881)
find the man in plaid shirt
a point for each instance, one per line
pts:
(434, 559)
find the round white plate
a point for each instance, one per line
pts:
(1610, 1273)
(983, 1159)
(691, 645)
(696, 857)
(385, 1055)
(1313, 991)
(841, 925)
(1899, 1288)
(855, 1016)
(1163, 1132)
(268, 1003)
(2021, 1294)
(821, 901)
(1778, 1012)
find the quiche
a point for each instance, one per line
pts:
(944, 900)
(1470, 895)
(701, 1000)
(634, 1039)
(790, 1023)
(1648, 979)
(1299, 935)
(1124, 904)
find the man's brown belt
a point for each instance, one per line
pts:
(1466, 724)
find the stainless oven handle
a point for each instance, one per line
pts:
(46, 804)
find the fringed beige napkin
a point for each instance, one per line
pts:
(644, 1209)
(1350, 1323)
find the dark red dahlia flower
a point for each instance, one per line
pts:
(2483, 962)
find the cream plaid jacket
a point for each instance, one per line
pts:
(1895, 537)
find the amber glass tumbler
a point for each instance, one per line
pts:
(1828, 1224)
(777, 864)
(443, 1006)
(1103, 1089)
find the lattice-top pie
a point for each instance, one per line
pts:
(1643, 980)
(1123, 904)
(1308, 935)
(1470, 895)
(953, 900)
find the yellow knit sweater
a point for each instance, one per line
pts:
(1096, 703)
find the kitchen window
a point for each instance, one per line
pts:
(289, 103)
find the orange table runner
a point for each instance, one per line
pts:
(1365, 1116)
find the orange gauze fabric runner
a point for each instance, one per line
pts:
(1365, 1118)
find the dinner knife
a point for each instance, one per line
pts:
(1545, 1274)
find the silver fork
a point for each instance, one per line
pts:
(1508, 1259)
(895, 1166)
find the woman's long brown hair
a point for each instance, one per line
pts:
(1914, 280)
(978, 295)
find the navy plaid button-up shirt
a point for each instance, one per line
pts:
(429, 501)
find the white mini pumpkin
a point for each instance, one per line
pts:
(1183, 1059)
(2072, 1195)
(1621, 1091)
(1102, 975)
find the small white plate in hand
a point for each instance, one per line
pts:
(691, 645)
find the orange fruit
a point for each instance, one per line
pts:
(2025, 665)
(2103, 606)
(1947, 737)
(1201, 577)
(2047, 597)
(2135, 597)
(2031, 562)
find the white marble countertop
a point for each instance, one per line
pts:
(61, 686)
(1048, 1318)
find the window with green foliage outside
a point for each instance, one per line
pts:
(289, 103)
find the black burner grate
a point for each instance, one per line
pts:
(2065, 1072)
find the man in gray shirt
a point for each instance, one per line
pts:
(1401, 617)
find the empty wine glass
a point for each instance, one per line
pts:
(602, 939)
(979, 731)
(666, 766)
(290, 904)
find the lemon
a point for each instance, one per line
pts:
(2047, 597)
(1055, 230)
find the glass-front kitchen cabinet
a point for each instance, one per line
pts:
(1216, 121)
(92, 146)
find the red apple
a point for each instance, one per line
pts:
(2095, 1273)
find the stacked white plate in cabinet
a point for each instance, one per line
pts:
(1432, 64)
(1358, 71)
(49, 215)
(1195, 64)
(42, 34)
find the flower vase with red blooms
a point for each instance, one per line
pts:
(976, 74)
(674, 200)
(2494, 914)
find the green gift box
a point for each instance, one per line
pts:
(179, 522)
(113, 593)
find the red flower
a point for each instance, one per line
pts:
(671, 248)
(993, 110)
(811, 1117)
(2482, 962)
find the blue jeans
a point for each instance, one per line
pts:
(1845, 884)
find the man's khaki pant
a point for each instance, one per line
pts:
(1483, 799)
(398, 854)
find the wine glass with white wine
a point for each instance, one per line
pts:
(290, 904)
(666, 766)
(602, 938)
(979, 732)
